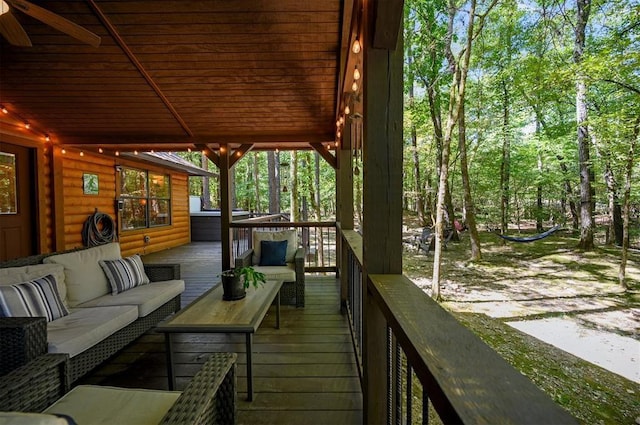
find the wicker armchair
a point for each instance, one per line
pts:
(292, 292)
(210, 398)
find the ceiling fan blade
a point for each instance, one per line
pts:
(11, 29)
(56, 21)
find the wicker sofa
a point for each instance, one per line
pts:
(99, 324)
(42, 385)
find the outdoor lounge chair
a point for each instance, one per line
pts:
(40, 387)
(277, 263)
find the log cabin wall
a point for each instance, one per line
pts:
(60, 194)
(78, 206)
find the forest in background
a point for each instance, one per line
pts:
(515, 113)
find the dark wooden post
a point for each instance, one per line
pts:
(382, 187)
(344, 213)
(225, 206)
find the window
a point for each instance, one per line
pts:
(8, 189)
(146, 199)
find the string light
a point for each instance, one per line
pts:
(117, 153)
(81, 153)
(356, 73)
(354, 86)
(188, 149)
(4, 110)
(100, 150)
(135, 152)
(47, 138)
(356, 46)
(27, 125)
(347, 110)
(63, 151)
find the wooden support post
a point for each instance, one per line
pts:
(59, 243)
(225, 206)
(382, 198)
(344, 197)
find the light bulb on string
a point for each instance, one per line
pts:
(356, 73)
(356, 46)
(354, 86)
(47, 138)
(4, 110)
(81, 153)
(100, 150)
(347, 110)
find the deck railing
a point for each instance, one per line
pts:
(434, 365)
(318, 239)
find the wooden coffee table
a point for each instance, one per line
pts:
(210, 314)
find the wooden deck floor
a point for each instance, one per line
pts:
(304, 372)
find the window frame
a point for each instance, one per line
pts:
(147, 199)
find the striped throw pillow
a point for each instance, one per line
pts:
(124, 274)
(36, 298)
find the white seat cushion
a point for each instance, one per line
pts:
(84, 277)
(284, 273)
(85, 327)
(90, 404)
(13, 275)
(147, 298)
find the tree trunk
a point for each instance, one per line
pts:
(586, 199)
(622, 271)
(505, 164)
(318, 210)
(569, 193)
(274, 190)
(469, 210)
(539, 196)
(256, 179)
(293, 190)
(206, 193)
(614, 233)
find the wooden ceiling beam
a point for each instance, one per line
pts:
(211, 154)
(159, 140)
(324, 153)
(134, 60)
(240, 152)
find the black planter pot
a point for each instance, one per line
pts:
(233, 288)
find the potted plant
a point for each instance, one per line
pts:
(236, 281)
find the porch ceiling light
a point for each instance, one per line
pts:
(356, 46)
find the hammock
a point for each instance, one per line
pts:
(531, 238)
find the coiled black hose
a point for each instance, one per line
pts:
(99, 229)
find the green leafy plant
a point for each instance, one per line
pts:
(249, 276)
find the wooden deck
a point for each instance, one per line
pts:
(304, 372)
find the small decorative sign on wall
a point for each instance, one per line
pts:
(90, 184)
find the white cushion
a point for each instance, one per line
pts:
(23, 418)
(280, 235)
(84, 277)
(284, 273)
(90, 404)
(85, 327)
(13, 275)
(146, 297)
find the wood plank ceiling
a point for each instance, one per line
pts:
(172, 75)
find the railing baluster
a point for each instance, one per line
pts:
(390, 373)
(409, 392)
(397, 361)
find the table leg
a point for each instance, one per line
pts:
(249, 366)
(278, 310)
(170, 369)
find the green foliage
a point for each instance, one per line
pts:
(521, 67)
